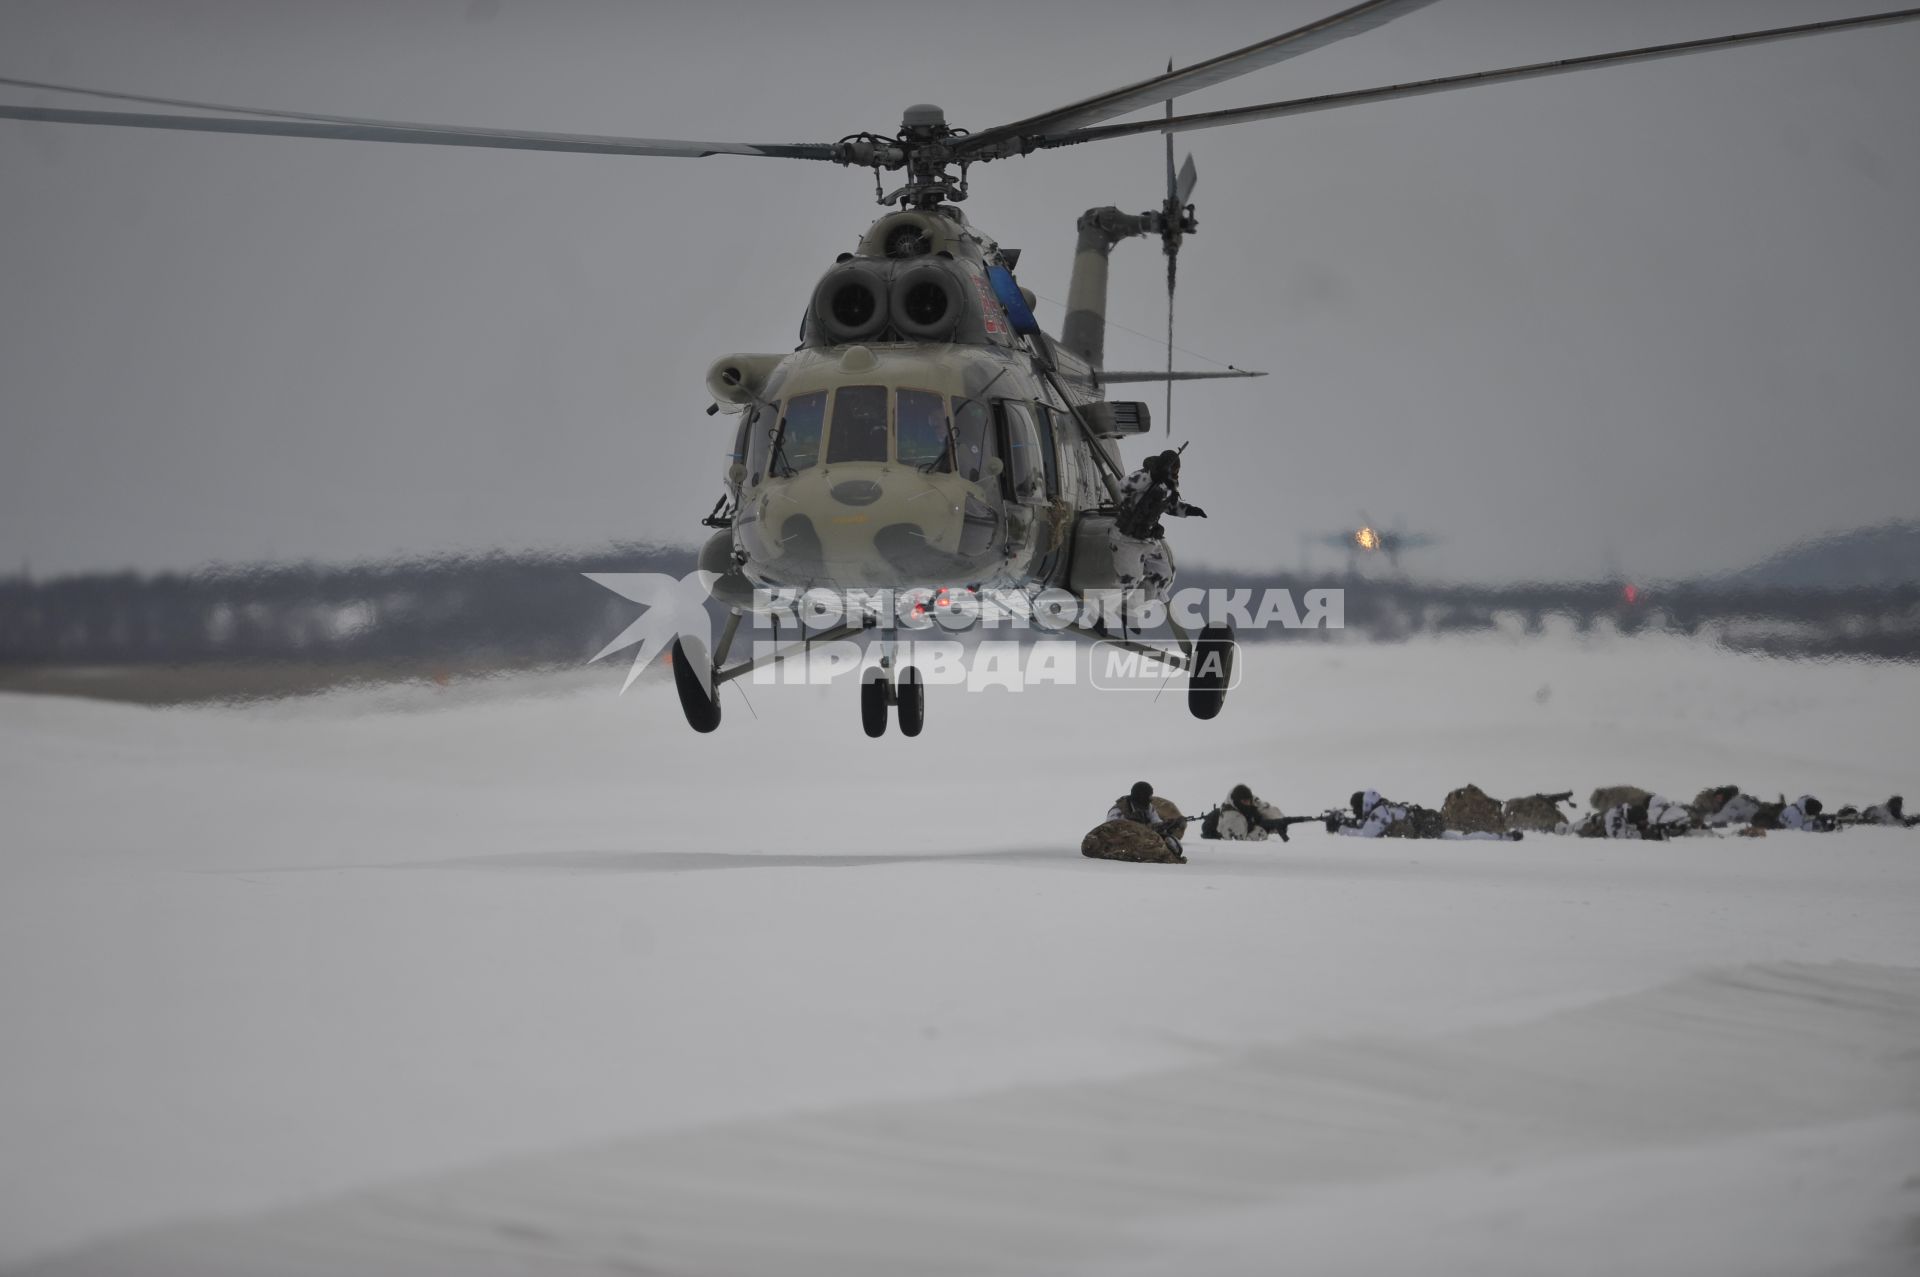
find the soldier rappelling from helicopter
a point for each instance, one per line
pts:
(1150, 493)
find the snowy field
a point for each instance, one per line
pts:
(525, 977)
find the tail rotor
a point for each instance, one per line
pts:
(1176, 223)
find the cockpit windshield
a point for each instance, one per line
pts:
(859, 424)
(869, 423)
(923, 433)
(798, 445)
(972, 436)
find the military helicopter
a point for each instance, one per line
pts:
(927, 433)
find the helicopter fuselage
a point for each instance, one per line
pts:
(925, 435)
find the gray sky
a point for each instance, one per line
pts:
(1662, 318)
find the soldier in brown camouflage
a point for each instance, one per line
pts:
(1139, 827)
(1469, 810)
(1538, 813)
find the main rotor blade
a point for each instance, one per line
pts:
(1201, 75)
(148, 99)
(1419, 88)
(295, 124)
(1117, 378)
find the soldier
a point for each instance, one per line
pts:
(1141, 807)
(1890, 812)
(1244, 818)
(1470, 810)
(1658, 818)
(1137, 805)
(1376, 817)
(1724, 806)
(1150, 492)
(1373, 816)
(1805, 813)
(1668, 818)
(1539, 813)
(1139, 553)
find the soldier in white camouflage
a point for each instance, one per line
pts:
(1807, 814)
(1376, 817)
(1245, 817)
(1137, 543)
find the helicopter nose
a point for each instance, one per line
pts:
(857, 492)
(887, 527)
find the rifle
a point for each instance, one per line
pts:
(1334, 817)
(1280, 824)
(1272, 824)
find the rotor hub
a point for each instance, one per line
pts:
(923, 119)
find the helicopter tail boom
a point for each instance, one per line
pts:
(1084, 331)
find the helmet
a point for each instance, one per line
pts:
(1359, 802)
(1240, 794)
(1812, 806)
(1169, 462)
(1142, 791)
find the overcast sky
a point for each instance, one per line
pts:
(1660, 319)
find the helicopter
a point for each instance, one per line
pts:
(1370, 538)
(927, 433)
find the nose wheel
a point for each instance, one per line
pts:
(1211, 672)
(881, 696)
(910, 699)
(701, 707)
(875, 695)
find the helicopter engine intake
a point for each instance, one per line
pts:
(850, 303)
(931, 298)
(927, 302)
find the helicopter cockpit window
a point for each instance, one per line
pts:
(798, 445)
(859, 425)
(972, 437)
(757, 434)
(743, 436)
(923, 431)
(1022, 477)
(1049, 422)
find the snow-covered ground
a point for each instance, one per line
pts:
(523, 976)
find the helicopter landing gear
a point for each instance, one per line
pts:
(701, 707)
(1211, 671)
(910, 698)
(896, 689)
(876, 696)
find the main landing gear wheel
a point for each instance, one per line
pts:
(910, 696)
(1211, 672)
(875, 701)
(701, 707)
